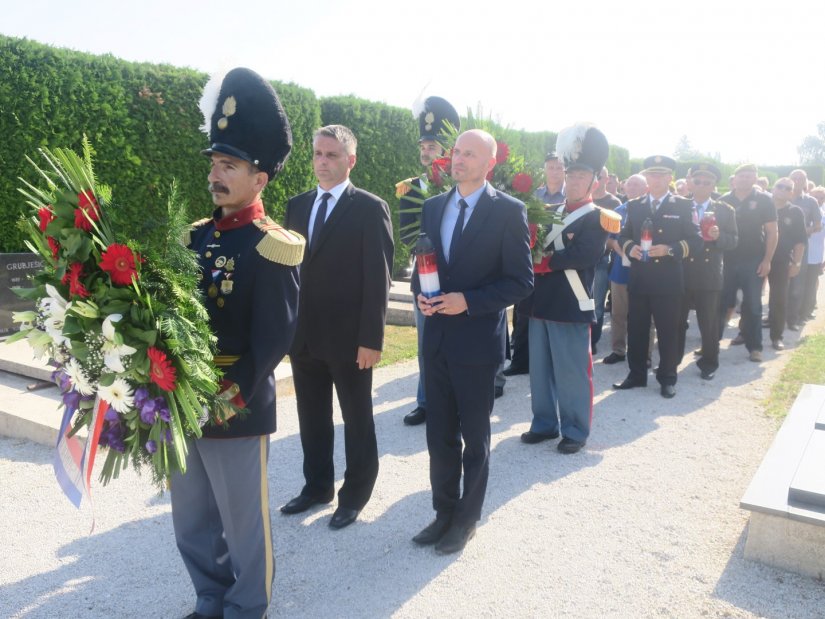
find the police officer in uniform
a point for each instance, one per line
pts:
(434, 115)
(656, 280)
(249, 279)
(703, 272)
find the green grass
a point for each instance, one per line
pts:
(400, 344)
(807, 365)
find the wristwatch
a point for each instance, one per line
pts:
(670, 251)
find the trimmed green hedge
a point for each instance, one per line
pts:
(141, 119)
(143, 122)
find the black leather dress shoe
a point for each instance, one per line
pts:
(343, 517)
(698, 352)
(628, 383)
(668, 391)
(197, 615)
(531, 438)
(455, 539)
(706, 375)
(416, 417)
(499, 392)
(613, 357)
(515, 370)
(434, 531)
(301, 503)
(569, 446)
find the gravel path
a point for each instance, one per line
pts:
(644, 523)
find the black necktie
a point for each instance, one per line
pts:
(655, 204)
(320, 218)
(459, 226)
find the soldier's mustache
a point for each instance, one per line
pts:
(217, 188)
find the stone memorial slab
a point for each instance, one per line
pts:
(14, 271)
(808, 483)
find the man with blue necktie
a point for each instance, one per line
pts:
(483, 253)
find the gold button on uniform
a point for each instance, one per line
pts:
(217, 234)
(208, 254)
(220, 302)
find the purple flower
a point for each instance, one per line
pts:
(111, 415)
(71, 400)
(147, 415)
(62, 380)
(163, 413)
(116, 443)
(151, 446)
(167, 437)
(112, 436)
(141, 395)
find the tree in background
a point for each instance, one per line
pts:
(812, 149)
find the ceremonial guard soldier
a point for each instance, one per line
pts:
(703, 272)
(249, 279)
(561, 309)
(658, 235)
(436, 120)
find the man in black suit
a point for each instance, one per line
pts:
(703, 272)
(656, 280)
(484, 265)
(345, 280)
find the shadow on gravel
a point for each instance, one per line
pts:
(766, 591)
(107, 575)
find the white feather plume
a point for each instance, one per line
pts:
(418, 104)
(209, 99)
(569, 141)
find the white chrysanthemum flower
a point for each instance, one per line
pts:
(80, 381)
(119, 395)
(114, 353)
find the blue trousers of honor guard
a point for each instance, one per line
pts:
(220, 508)
(561, 382)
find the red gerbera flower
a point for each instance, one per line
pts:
(440, 166)
(54, 245)
(119, 262)
(72, 278)
(46, 217)
(502, 152)
(86, 203)
(161, 371)
(522, 182)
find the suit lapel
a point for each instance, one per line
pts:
(435, 236)
(310, 200)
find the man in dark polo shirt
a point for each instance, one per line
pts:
(749, 263)
(787, 258)
(813, 223)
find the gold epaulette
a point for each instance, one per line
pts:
(187, 236)
(610, 220)
(279, 244)
(402, 188)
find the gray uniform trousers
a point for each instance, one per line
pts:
(220, 513)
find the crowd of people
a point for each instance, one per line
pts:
(318, 287)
